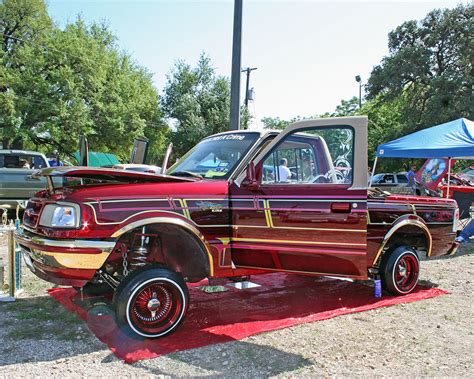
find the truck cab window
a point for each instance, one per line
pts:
(315, 156)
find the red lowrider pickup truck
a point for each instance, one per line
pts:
(238, 204)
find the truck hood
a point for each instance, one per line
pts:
(100, 173)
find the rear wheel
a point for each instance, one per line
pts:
(152, 302)
(400, 270)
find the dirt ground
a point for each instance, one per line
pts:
(433, 337)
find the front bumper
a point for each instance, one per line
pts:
(64, 262)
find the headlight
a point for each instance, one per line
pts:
(60, 215)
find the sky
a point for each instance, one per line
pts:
(307, 53)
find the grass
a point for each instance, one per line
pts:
(35, 316)
(41, 318)
(38, 316)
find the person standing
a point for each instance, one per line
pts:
(411, 178)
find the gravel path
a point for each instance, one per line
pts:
(433, 337)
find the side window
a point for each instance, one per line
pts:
(402, 178)
(389, 179)
(313, 156)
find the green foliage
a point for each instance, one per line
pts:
(197, 103)
(275, 123)
(346, 108)
(430, 67)
(57, 84)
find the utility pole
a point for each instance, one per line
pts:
(236, 61)
(248, 70)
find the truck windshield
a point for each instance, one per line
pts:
(216, 156)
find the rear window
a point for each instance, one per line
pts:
(25, 161)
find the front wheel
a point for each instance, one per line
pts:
(400, 271)
(152, 302)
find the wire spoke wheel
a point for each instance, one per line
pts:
(156, 307)
(151, 302)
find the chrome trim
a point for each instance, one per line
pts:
(105, 246)
(36, 248)
(169, 220)
(400, 224)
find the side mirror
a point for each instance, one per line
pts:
(250, 180)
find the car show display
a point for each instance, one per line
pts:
(223, 211)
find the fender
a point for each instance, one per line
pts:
(402, 221)
(173, 221)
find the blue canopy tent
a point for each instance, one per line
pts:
(454, 139)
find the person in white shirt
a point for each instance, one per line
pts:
(284, 172)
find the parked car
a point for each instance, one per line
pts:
(16, 185)
(390, 180)
(145, 236)
(467, 174)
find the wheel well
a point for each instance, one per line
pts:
(176, 248)
(408, 235)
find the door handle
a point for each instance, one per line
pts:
(341, 207)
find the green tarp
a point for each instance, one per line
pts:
(99, 159)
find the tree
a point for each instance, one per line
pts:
(20, 21)
(275, 123)
(346, 108)
(196, 102)
(58, 84)
(430, 67)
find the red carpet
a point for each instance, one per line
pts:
(282, 301)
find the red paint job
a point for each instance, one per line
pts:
(324, 229)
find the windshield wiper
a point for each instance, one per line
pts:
(186, 173)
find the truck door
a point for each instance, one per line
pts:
(310, 201)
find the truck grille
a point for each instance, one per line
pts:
(32, 213)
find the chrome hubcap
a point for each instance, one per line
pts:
(402, 271)
(153, 305)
